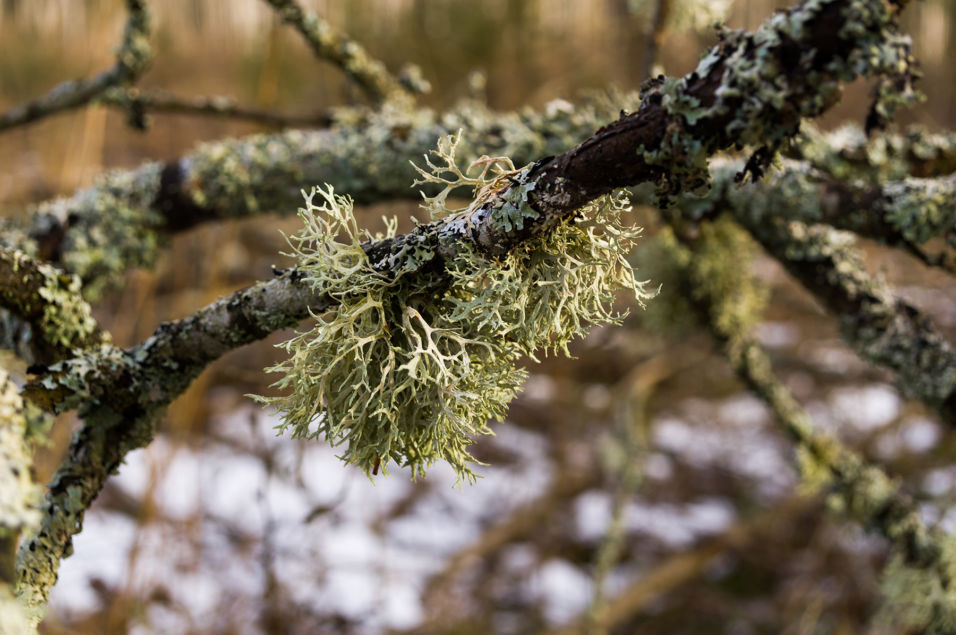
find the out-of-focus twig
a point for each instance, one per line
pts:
(655, 38)
(686, 566)
(138, 104)
(861, 489)
(132, 58)
(635, 390)
(523, 521)
(369, 73)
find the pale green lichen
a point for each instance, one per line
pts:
(848, 153)
(109, 227)
(717, 273)
(922, 209)
(769, 81)
(919, 599)
(411, 365)
(67, 318)
(18, 493)
(384, 372)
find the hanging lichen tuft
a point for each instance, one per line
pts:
(413, 363)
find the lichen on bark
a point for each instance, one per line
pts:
(421, 349)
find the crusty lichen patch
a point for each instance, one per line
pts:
(19, 495)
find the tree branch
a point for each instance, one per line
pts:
(139, 103)
(103, 231)
(866, 493)
(123, 417)
(741, 96)
(848, 153)
(132, 58)
(370, 74)
(880, 327)
(50, 301)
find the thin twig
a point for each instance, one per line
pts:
(369, 73)
(655, 38)
(685, 566)
(138, 103)
(634, 393)
(132, 58)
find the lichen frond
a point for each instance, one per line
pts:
(411, 368)
(383, 373)
(493, 176)
(546, 294)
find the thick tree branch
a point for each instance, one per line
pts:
(101, 232)
(132, 58)
(900, 213)
(848, 153)
(121, 417)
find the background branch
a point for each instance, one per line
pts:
(138, 104)
(370, 74)
(132, 58)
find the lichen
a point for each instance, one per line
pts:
(18, 493)
(115, 230)
(922, 209)
(848, 153)
(769, 81)
(413, 363)
(919, 599)
(67, 318)
(717, 274)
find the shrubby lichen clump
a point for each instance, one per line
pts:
(412, 364)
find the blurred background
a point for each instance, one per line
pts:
(638, 481)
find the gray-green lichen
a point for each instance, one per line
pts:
(49, 300)
(117, 224)
(412, 363)
(922, 209)
(18, 493)
(13, 618)
(910, 210)
(112, 227)
(771, 79)
(919, 581)
(848, 153)
(717, 272)
(919, 599)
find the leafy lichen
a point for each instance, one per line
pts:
(413, 363)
